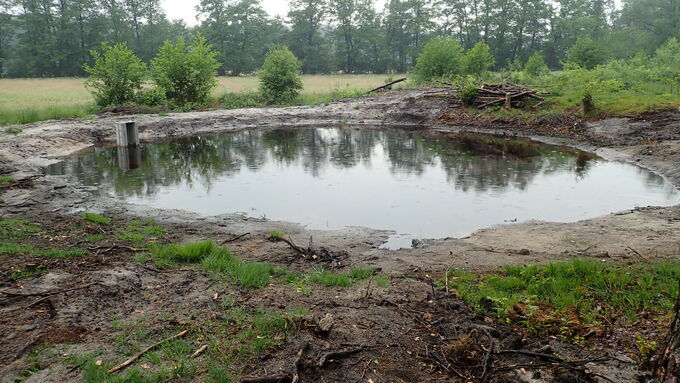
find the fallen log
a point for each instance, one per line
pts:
(387, 85)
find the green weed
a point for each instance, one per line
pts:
(6, 179)
(96, 218)
(13, 131)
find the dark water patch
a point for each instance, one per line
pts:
(331, 178)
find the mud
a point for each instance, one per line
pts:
(408, 327)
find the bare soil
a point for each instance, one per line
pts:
(407, 331)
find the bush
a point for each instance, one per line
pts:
(478, 60)
(587, 54)
(151, 97)
(535, 66)
(280, 80)
(668, 63)
(468, 93)
(439, 57)
(186, 73)
(116, 76)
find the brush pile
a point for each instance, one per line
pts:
(506, 94)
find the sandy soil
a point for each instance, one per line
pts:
(409, 326)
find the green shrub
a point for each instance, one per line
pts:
(280, 80)
(478, 60)
(186, 73)
(116, 76)
(151, 97)
(439, 57)
(468, 93)
(536, 66)
(667, 61)
(587, 54)
(246, 99)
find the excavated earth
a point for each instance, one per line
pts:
(399, 333)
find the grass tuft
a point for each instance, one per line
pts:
(346, 279)
(216, 259)
(6, 179)
(96, 218)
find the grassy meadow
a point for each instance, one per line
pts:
(29, 100)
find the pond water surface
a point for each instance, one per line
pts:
(332, 178)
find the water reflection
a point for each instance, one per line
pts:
(129, 158)
(382, 179)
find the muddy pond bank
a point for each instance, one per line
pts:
(425, 334)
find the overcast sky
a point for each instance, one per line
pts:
(185, 9)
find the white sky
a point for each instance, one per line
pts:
(185, 9)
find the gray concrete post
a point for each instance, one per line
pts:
(127, 134)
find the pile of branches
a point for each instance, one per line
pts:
(510, 95)
(506, 94)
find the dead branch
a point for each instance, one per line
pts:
(387, 85)
(269, 379)
(138, 355)
(235, 238)
(487, 357)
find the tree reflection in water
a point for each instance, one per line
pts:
(470, 162)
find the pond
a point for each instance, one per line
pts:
(331, 178)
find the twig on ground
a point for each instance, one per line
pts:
(487, 357)
(200, 351)
(235, 238)
(138, 355)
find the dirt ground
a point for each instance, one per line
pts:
(404, 331)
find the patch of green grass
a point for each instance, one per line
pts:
(95, 237)
(6, 179)
(96, 218)
(27, 115)
(260, 329)
(11, 248)
(345, 279)
(13, 130)
(592, 289)
(138, 232)
(276, 234)
(16, 229)
(26, 272)
(93, 373)
(216, 259)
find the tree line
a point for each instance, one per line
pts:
(52, 38)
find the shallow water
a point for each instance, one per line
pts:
(332, 178)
